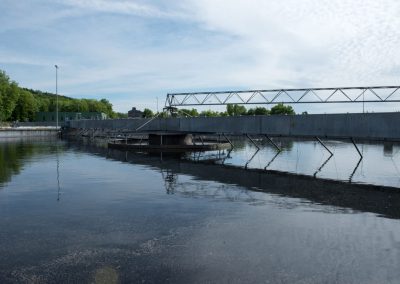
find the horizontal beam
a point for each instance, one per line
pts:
(289, 90)
(291, 102)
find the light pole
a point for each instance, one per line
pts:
(56, 96)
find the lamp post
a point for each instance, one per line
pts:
(56, 96)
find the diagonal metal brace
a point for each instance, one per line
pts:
(273, 143)
(322, 143)
(227, 139)
(355, 145)
(252, 141)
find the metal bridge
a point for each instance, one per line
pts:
(375, 94)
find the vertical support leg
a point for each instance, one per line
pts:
(322, 143)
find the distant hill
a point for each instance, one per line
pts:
(17, 103)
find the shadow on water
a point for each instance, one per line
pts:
(380, 200)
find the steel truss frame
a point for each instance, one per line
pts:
(287, 96)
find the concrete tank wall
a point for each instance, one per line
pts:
(16, 133)
(376, 126)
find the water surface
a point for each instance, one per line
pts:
(79, 213)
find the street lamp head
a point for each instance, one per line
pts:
(56, 66)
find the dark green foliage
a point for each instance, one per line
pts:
(121, 115)
(147, 113)
(188, 112)
(210, 113)
(9, 92)
(282, 109)
(235, 110)
(25, 108)
(258, 111)
(21, 104)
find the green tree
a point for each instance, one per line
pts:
(188, 112)
(209, 113)
(9, 93)
(147, 113)
(282, 109)
(234, 109)
(258, 111)
(25, 108)
(107, 106)
(121, 115)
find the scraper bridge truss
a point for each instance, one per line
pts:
(377, 94)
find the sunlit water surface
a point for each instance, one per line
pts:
(79, 213)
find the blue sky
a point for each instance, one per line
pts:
(132, 52)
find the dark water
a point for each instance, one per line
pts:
(79, 213)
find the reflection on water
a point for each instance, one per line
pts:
(15, 153)
(58, 172)
(375, 163)
(126, 217)
(170, 179)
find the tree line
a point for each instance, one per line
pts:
(21, 104)
(231, 110)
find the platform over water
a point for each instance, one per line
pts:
(372, 126)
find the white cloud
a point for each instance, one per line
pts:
(120, 7)
(137, 50)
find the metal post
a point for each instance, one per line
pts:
(56, 96)
(363, 100)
